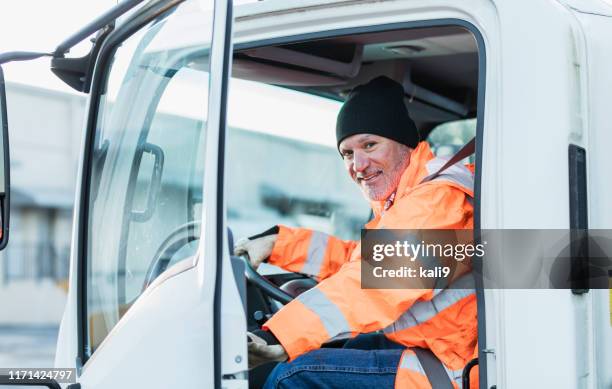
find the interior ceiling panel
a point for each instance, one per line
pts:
(439, 60)
(443, 72)
(425, 47)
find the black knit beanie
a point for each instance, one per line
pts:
(377, 108)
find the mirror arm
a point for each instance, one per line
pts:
(99, 23)
(77, 72)
(11, 56)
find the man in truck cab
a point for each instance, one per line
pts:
(380, 146)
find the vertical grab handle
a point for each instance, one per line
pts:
(579, 221)
(465, 377)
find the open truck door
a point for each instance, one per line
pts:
(147, 232)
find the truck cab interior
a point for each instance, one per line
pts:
(300, 180)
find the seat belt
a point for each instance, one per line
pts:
(468, 149)
(436, 374)
(434, 370)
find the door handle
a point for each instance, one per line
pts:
(155, 183)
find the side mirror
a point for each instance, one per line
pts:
(4, 167)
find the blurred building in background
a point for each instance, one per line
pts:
(44, 135)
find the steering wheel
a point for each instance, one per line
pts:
(181, 236)
(265, 286)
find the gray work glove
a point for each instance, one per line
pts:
(264, 350)
(257, 249)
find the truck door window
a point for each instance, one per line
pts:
(147, 167)
(299, 179)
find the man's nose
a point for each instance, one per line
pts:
(360, 162)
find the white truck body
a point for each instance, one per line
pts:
(546, 84)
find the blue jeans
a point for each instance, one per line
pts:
(368, 361)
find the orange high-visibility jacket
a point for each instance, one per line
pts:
(442, 320)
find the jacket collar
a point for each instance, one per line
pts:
(415, 172)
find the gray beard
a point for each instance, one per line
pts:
(392, 179)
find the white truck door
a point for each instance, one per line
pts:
(145, 253)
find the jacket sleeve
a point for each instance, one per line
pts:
(310, 252)
(338, 305)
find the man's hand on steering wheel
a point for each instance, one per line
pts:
(257, 248)
(254, 251)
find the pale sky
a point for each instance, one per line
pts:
(39, 25)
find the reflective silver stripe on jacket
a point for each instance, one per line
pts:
(316, 253)
(457, 173)
(422, 311)
(455, 375)
(411, 362)
(332, 318)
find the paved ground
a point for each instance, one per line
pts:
(27, 346)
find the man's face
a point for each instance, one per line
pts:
(375, 163)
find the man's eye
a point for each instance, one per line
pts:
(369, 145)
(347, 154)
